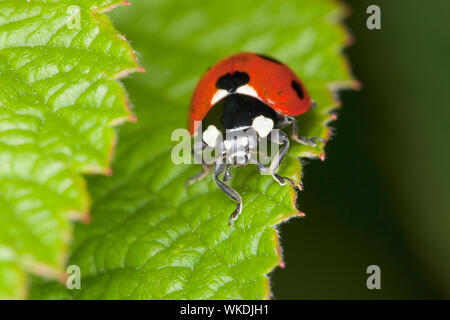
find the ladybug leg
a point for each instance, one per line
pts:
(218, 169)
(227, 174)
(281, 180)
(302, 140)
(205, 170)
(283, 140)
(198, 176)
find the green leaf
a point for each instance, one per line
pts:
(58, 103)
(12, 281)
(149, 237)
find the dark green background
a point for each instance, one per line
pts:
(382, 195)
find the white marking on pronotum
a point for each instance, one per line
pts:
(210, 136)
(247, 90)
(220, 94)
(262, 125)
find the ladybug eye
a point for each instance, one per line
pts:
(298, 88)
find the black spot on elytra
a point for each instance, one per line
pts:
(231, 82)
(269, 58)
(298, 88)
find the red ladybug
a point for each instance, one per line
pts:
(254, 94)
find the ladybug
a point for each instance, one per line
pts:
(252, 92)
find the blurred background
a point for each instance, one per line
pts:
(382, 195)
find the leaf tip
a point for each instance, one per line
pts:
(125, 72)
(322, 156)
(357, 85)
(62, 278)
(86, 219)
(132, 118)
(108, 171)
(80, 215)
